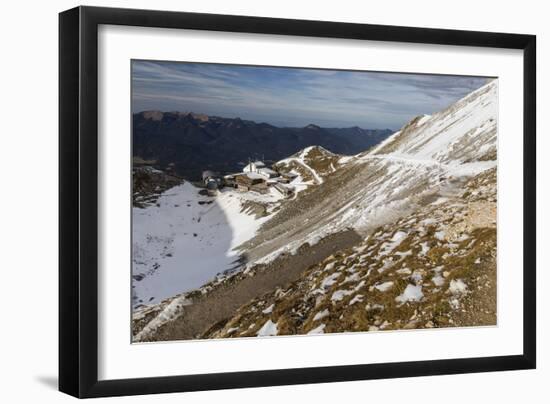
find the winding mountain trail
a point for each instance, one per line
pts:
(311, 170)
(300, 161)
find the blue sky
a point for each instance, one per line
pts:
(294, 97)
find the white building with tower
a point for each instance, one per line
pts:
(260, 168)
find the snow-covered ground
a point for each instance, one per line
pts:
(299, 184)
(184, 240)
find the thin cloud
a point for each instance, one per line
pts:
(294, 97)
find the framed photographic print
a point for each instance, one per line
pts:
(251, 201)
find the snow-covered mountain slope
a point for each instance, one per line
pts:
(464, 132)
(429, 159)
(185, 239)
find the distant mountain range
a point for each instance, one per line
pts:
(193, 142)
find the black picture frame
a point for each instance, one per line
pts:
(78, 201)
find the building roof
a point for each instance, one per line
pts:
(252, 176)
(255, 165)
(267, 170)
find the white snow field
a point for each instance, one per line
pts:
(186, 239)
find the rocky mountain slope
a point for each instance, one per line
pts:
(433, 268)
(413, 221)
(195, 142)
(149, 183)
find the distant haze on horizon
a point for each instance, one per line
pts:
(294, 96)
